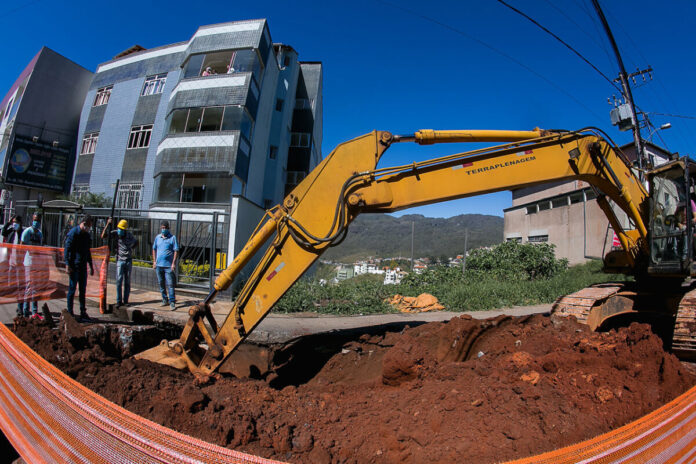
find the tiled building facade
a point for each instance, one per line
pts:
(223, 116)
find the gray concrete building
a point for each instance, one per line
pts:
(224, 122)
(567, 215)
(39, 118)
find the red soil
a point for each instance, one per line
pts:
(462, 391)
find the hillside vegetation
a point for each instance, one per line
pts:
(509, 274)
(382, 235)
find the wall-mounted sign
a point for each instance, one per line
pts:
(37, 164)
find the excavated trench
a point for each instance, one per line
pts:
(464, 390)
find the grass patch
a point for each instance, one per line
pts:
(476, 291)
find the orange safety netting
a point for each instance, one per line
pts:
(49, 417)
(35, 273)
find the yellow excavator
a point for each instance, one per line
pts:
(656, 248)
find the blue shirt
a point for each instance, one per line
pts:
(165, 248)
(32, 236)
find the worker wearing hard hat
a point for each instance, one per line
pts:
(125, 243)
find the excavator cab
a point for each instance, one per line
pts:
(671, 213)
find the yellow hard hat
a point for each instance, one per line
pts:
(123, 224)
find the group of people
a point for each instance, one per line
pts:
(209, 71)
(25, 266)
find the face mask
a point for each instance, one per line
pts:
(15, 226)
(165, 232)
(35, 224)
(121, 232)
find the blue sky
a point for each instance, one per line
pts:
(404, 66)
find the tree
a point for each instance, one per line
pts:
(89, 199)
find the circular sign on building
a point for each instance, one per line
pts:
(20, 160)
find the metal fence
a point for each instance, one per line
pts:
(202, 236)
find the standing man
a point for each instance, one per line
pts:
(124, 258)
(164, 253)
(35, 267)
(12, 234)
(77, 257)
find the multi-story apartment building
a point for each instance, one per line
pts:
(226, 121)
(39, 118)
(566, 214)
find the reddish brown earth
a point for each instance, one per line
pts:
(462, 391)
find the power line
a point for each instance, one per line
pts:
(673, 115)
(582, 29)
(492, 48)
(536, 23)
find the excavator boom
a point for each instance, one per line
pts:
(316, 214)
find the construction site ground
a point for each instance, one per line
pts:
(386, 388)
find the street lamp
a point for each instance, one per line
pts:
(666, 125)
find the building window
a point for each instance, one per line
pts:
(103, 95)
(575, 198)
(303, 104)
(590, 195)
(80, 190)
(538, 238)
(559, 202)
(140, 137)
(215, 118)
(532, 209)
(544, 205)
(295, 177)
(154, 85)
(514, 239)
(272, 152)
(300, 139)
(129, 196)
(286, 60)
(267, 204)
(279, 104)
(89, 143)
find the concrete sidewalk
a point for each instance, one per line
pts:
(275, 328)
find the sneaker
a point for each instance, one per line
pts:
(173, 306)
(37, 316)
(118, 303)
(164, 303)
(84, 317)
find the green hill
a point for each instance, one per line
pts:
(382, 235)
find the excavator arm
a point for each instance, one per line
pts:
(317, 213)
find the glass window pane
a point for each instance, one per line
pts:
(194, 119)
(232, 118)
(168, 187)
(193, 67)
(178, 121)
(212, 118)
(217, 63)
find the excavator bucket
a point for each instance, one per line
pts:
(164, 354)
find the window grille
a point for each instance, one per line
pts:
(103, 95)
(154, 85)
(140, 137)
(89, 143)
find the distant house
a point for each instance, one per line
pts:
(345, 272)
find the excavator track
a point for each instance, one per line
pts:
(684, 342)
(594, 305)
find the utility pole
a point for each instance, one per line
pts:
(413, 227)
(466, 247)
(628, 95)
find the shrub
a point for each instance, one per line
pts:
(517, 260)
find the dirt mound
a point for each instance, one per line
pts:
(465, 390)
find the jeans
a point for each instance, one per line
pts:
(165, 274)
(30, 292)
(78, 277)
(123, 273)
(16, 281)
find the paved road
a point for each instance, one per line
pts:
(275, 328)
